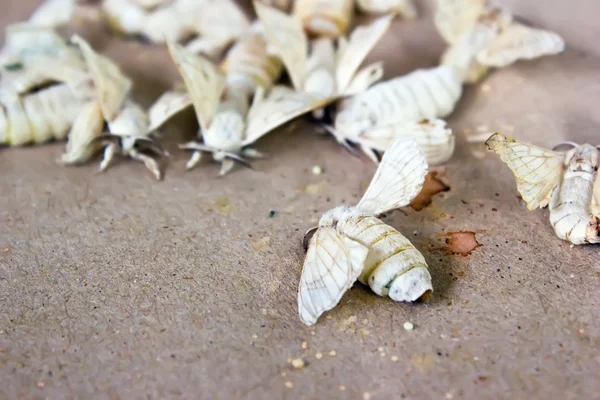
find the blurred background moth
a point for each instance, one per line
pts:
(567, 182)
(373, 118)
(108, 100)
(351, 243)
(212, 25)
(326, 71)
(481, 37)
(226, 128)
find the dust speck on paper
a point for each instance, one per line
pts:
(262, 243)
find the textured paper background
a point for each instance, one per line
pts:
(117, 286)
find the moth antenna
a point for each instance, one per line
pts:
(307, 236)
(571, 144)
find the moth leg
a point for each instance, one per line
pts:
(148, 161)
(369, 152)
(253, 153)
(109, 153)
(194, 159)
(226, 166)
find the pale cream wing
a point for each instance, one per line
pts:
(169, 104)
(281, 105)
(398, 179)
(361, 42)
(405, 7)
(82, 143)
(537, 171)
(519, 42)
(333, 263)
(286, 35)
(53, 13)
(596, 198)
(454, 18)
(204, 82)
(110, 84)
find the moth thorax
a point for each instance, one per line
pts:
(131, 120)
(353, 122)
(226, 132)
(582, 158)
(333, 217)
(320, 81)
(3, 125)
(330, 18)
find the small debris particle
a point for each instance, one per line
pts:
(41, 384)
(408, 326)
(482, 128)
(365, 321)
(485, 88)
(476, 358)
(289, 384)
(342, 388)
(254, 336)
(432, 186)
(348, 324)
(298, 363)
(264, 311)
(395, 358)
(328, 317)
(317, 170)
(423, 361)
(461, 243)
(316, 188)
(283, 373)
(366, 396)
(223, 205)
(449, 396)
(312, 333)
(318, 356)
(304, 345)
(363, 332)
(272, 213)
(332, 353)
(380, 349)
(581, 331)
(382, 354)
(262, 243)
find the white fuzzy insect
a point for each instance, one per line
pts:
(482, 37)
(374, 117)
(216, 23)
(225, 126)
(326, 71)
(109, 102)
(566, 182)
(351, 243)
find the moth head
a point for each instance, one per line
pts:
(582, 158)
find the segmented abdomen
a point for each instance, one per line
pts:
(422, 94)
(325, 17)
(570, 209)
(394, 267)
(250, 65)
(39, 117)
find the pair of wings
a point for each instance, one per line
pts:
(456, 18)
(537, 171)
(285, 33)
(333, 260)
(205, 86)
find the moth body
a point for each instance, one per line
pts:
(566, 182)
(330, 18)
(351, 243)
(38, 117)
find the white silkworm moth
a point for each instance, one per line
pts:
(351, 243)
(566, 182)
(481, 37)
(327, 71)
(382, 110)
(109, 101)
(215, 23)
(227, 131)
(38, 117)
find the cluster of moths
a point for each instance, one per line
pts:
(332, 18)
(352, 243)
(231, 120)
(564, 181)
(51, 89)
(369, 116)
(481, 37)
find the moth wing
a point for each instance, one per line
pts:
(169, 104)
(360, 43)
(398, 179)
(520, 42)
(364, 79)
(111, 85)
(281, 105)
(596, 198)
(405, 7)
(204, 81)
(333, 263)
(286, 34)
(87, 127)
(53, 13)
(537, 171)
(454, 18)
